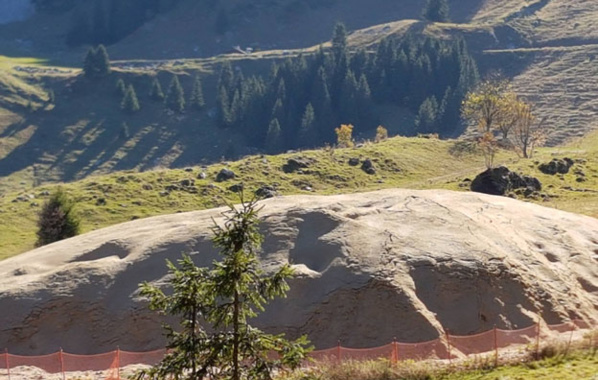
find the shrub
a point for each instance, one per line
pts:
(56, 220)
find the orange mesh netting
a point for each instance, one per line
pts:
(506, 338)
(100, 362)
(581, 324)
(146, 358)
(562, 327)
(108, 366)
(48, 363)
(328, 355)
(384, 352)
(434, 349)
(473, 344)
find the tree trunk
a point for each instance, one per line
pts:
(236, 336)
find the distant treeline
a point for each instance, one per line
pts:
(302, 99)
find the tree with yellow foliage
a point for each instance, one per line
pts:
(529, 132)
(344, 136)
(381, 134)
(483, 106)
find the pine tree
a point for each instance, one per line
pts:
(427, 117)
(121, 89)
(436, 11)
(56, 220)
(156, 90)
(197, 101)
(101, 62)
(175, 97)
(308, 134)
(224, 298)
(339, 40)
(89, 63)
(130, 102)
(273, 143)
(223, 107)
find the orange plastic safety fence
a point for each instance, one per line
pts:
(506, 338)
(3, 362)
(473, 344)
(47, 363)
(100, 362)
(328, 355)
(581, 324)
(144, 358)
(383, 352)
(562, 327)
(434, 349)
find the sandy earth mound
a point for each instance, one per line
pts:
(372, 266)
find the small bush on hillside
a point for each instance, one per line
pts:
(344, 136)
(381, 134)
(56, 220)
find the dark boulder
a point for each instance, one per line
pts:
(556, 166)
(296, 163)
(500, 181)
(266, 192)
(236, 188)
(368, 167)
(225, 175)
(353, 161)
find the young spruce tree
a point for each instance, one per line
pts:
(175, 97)
(130, 103)
(197, 101)
(223, 297)
(156, 92)
(56, 220)
(436, 11)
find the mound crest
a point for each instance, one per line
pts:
(370, 267)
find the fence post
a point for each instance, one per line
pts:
(7, 363)
(570, 338)
(495, 347)
(338, 352)
(538, 340)
(448, 342)
(61, 358)
(395, 352)
(118, 362)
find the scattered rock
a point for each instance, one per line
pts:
(296, 163)
(188, 170)
(101, 202)
(164, 193)
(136, 203)
(368, 167)
(44, 193)
(556, 166)
(202, 175)
(187, 182)
(225, 175)
(307, 188)
(34, 204)
(266, 192)
(236, 188)
(499, 181)
(353, 161)
(172, 187)
(147, 186)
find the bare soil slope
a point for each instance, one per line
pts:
(373, 266)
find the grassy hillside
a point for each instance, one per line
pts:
(416, 163)
(577, 366)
